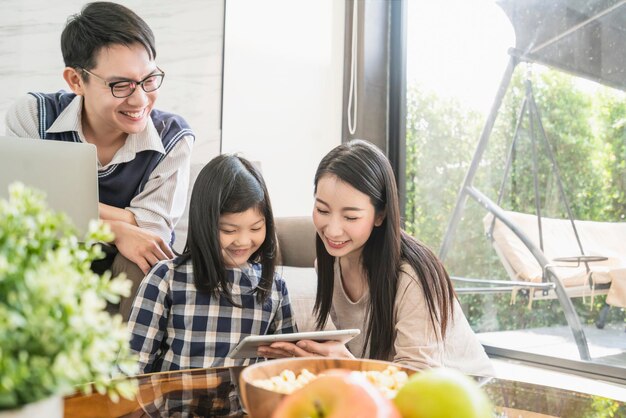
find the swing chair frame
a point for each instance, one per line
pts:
(536, 44)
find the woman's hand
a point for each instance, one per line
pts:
(305, 348)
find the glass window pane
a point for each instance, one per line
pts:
(557, 148)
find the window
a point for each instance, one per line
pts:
(561, 77)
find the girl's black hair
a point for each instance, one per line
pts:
(364, 167)
(227, 184)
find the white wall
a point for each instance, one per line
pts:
(282, 92)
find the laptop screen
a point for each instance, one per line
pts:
(66, 172)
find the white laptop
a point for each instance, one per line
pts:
(66, 172)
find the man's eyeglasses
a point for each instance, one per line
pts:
(125, 88)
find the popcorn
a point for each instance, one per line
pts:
(389, 381)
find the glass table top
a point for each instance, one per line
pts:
(212, 392)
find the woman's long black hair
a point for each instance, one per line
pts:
(227, 184)
(364, 167)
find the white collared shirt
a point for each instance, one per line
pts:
(162, 201)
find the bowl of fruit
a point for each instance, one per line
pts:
(327, 387)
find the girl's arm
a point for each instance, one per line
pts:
(284, 321)
(148, 318)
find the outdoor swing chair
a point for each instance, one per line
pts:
(549, 257)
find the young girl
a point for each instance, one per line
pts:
(191, 312)
(375, 277)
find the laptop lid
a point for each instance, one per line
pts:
(66, 172)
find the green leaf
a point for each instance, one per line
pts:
(55, 334)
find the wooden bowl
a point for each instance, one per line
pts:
(260, 402)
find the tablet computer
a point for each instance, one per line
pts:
(247, 348)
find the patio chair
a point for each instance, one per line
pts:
(543, 257)
(581, 274)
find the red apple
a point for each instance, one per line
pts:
(336, 395)
(442, 393)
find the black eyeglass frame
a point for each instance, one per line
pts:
(134, 83)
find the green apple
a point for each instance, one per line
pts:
(337, 395)
(442, 393)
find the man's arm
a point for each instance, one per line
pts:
(111, 213)
(162, 201)
(143, 230)
(140, 246)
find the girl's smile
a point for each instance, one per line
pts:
(241, 235)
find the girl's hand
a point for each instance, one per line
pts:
(305, 348)
(276, 350)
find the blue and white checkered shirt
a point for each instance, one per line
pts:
(175, 327)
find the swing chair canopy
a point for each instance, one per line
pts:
(585, 38)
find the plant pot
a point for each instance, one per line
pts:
(50, 408)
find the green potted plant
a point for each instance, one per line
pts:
(55, 332)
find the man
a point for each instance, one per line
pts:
(143, 153)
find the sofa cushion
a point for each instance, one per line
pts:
(296, 240)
